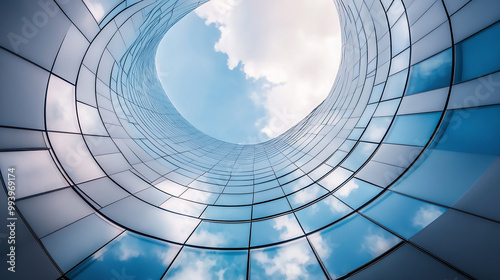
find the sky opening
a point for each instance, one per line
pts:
(245, 71)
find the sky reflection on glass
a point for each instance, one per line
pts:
(208, 264)
(351, 243)
(291, 261)
(130, 255)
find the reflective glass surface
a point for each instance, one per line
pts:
(130, 255)
(393, 176)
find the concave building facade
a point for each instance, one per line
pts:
(395, 175)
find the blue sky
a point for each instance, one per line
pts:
(245, 74)
(213, 98)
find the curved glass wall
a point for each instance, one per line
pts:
(394, 175)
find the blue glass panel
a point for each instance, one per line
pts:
(294, 260)
(359, 155)
(414, 129)
(335, 178)
(387, 108)
(322, 213)
(234, 199)
(367, 114)
(356, 192)
(405, 216)
(475, 130)
(298, 184)
(355, 134)
(275, 230)
(208, 264)
(336, 158)
(395, 85)
(131, 255)
(227, 213)
(432, 73)
(443, 176)
(306, 195)
(270, 208)
(376, 129)
(478, 55)
(267, 195)
(376, 93)
(351, 243)
(229, 235)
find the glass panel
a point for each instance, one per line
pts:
(387, 108)
(351, 243)
(402, 40)
(142, 217)
(270, 208)
(335, 179)
(13, 106)
(407, 262)
(294, 260)
(227, 235)
(267, 195)
(182, 206)
(414, 129)
(443, 176)
(376, 93)
(130, 256)
(478, 55)
(35, 172)
(395, 85)
(153, 196)
(234, 199)
(432, 73)
(38, 208)
(200, 196)
(70, 245)
(227, 213)
(274, 230)
(356, 192)
(376, 129)
(60, 107)
(103, 191)
(474, 130)
(298, 184)
(359, 155)
(13, 139)
(208, 264)
(90, 120)
(322, 213)
(306, 195)
(99, 9)
(405, 216)
(75, 158)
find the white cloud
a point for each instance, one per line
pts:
(336, 206)
(291, 261)
(377, 244)
(128, 251)
(194, 267)
(206, 238)
(426, 215)
(306, 195)
(287, 226)
(322, 248)
(346, 190)
(293, 44)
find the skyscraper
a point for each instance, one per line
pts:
(395, 175)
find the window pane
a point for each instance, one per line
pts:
(432, 73)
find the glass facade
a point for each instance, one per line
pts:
(394, 176)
